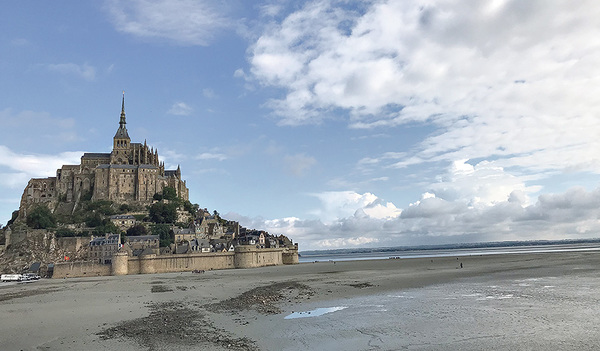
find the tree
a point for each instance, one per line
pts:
(161, 212)
(104, 207)
(94, 220)
(41, 217)
(191, 208)
(169, 193)
(124, 208)
(137, 230)
(165, 234)
(107, 227)
(65, 232)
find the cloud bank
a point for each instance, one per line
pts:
(494, 78)
(432, 220)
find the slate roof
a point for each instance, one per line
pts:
(105, 241)
(122, 217)
(142, 238)
(128, 166)
(35, 267)
(122, 133)
(96, 155)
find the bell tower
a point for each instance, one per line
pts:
(121, 141)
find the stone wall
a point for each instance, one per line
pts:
(122, 264)
(80, 269)
(73, 244)
(249, 257)
(186, 262)
(290, 256)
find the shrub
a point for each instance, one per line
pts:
(164, 232)
(104, 207)
(41, 217)
(65, 232)
(161, 212)
(137, 230)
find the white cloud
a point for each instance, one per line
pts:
(211, 156)
(84, 71)
(572, 214)
(480, 185)
(26, 166)
(186, 22)
(342, 204)
(180, 109)
(496, 81)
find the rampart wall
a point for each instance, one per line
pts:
(122, 264)
(80, 269)
(290, 256)
(250, 257)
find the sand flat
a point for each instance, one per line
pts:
(520, 300)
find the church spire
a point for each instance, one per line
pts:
(122, 131)
(122, 121)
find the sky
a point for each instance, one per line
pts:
(337, 123)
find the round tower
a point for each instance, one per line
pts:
(120, 263)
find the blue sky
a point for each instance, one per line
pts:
(338, 123)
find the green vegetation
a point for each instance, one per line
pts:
(137, 230)
(65, 232)
(87, 196)
(165, 233)
(124, 208)
(104, 207)
(96, 216)
(106, 227)
(168, 193)
(94, 220)
(100, 224)
(41, 217)
(161, 212)
(191, 208)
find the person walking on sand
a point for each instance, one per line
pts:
(461, 265)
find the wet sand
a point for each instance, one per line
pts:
(510, 301)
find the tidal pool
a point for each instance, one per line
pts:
(314, 313)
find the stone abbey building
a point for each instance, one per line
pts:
(131, 173)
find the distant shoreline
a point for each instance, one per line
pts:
(449, 251)
(490, 244)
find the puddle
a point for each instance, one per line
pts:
(314, 313)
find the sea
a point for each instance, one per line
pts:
(458, 250)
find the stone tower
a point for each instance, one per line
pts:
(121, 141)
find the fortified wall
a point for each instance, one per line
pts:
(123, 264)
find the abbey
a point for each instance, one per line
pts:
(131, 173)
